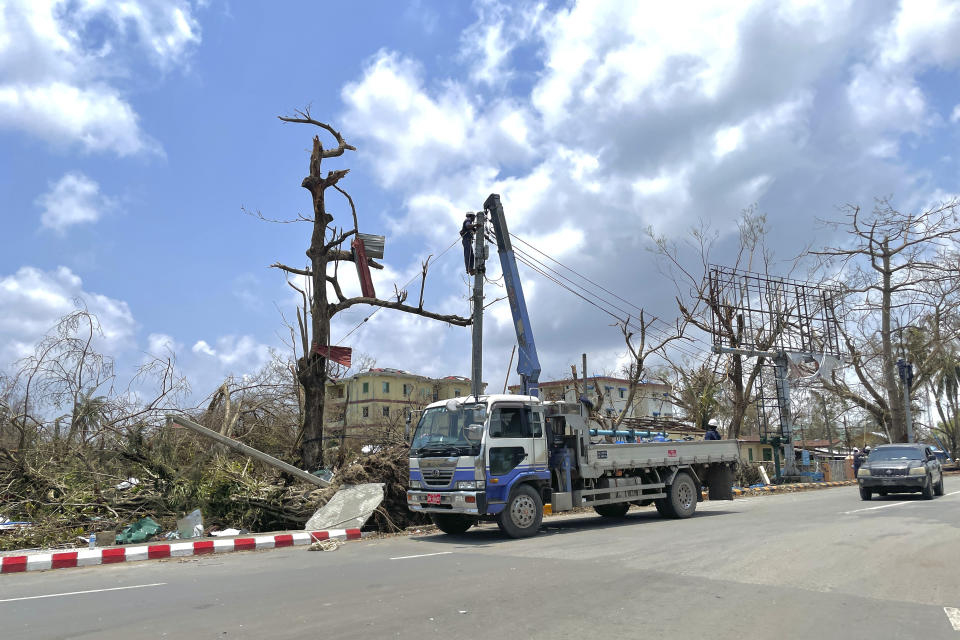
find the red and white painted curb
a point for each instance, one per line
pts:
(111, 555)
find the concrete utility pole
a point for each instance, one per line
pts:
(479, 272)
(247, 450)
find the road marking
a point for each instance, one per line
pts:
(895, 504)
(75, 593)
(423, 555)
(953, 615)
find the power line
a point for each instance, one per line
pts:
(559, 279)
(596, 284)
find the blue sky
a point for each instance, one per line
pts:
(131, 134)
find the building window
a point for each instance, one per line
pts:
(608, 389)
(750, 452)
(365, 412)
(436, 395)
(623, 393)
(406, 389)
(366, 387)
(386, 411)
(456, 393)
(767, 454)
(386, 387)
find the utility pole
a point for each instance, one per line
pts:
(905, 369)
(479, 272)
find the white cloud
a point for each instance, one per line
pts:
(955, 116)
(33, 301)
(235, 354)
(488, 44)
(161, 345)
(73, 199)
(61, 86)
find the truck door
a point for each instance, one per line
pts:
(511, 446)
(537, 429)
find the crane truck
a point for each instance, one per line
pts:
(507, 458)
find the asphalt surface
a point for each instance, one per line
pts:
(819, 564)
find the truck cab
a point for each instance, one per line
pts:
(469, 454)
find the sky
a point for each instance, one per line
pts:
(134, 136)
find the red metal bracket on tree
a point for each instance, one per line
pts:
(363, 269)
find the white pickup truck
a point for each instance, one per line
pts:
(508, 458)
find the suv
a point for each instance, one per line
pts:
(900, 468)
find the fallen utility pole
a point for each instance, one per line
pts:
(247, 450)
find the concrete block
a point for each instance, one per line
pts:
(349, 508)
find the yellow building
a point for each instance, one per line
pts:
(386, 396)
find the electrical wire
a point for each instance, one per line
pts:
(596, 284)
(600, 302)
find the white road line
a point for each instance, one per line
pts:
(75, 593)
(423, 555)
(895, 504)
(953, 615)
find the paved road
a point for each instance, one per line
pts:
(820, 564)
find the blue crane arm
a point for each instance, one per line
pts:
(528, 364)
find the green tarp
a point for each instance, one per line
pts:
(139, 531)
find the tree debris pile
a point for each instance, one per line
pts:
(67, 495)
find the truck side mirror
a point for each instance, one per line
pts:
(474, 432)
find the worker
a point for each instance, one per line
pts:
(712, 433)
(466, 235)
(857, 461)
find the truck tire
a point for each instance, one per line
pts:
(681, 500)
(522, 514)
(865, 494)
(663, 508)
(938, 488)
(928, 489)
(452, 523)
(617, 510)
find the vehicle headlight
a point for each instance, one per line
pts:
(415, 484)
(470, 485)
(918, 471)
(863, 473)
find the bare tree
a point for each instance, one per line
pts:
(640, 347)
(324, 253)
(896, 269)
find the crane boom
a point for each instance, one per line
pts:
(528, 364)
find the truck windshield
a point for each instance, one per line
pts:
(441, 432)
(894, 453)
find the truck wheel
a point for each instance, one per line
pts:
(663, 508)
(938, 488)
(928, 489)
(681, 500)
(617, 510)
(452, 523)
(865, 494)
(522, 514)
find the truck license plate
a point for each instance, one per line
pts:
(433, 498)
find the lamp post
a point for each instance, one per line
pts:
(905, 370)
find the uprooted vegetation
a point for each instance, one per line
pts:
(67, 493)
(79, 455)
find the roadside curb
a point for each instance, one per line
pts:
(112, 555)
(773, 488)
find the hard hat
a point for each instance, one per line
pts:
(471, 214)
